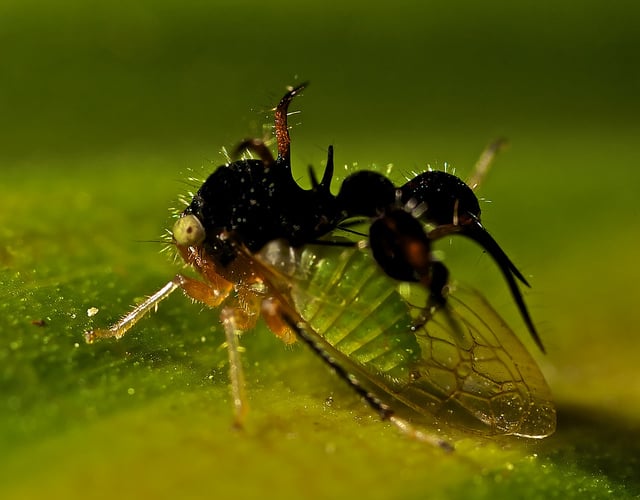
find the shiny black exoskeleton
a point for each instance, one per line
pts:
(251, 202)
(255, 203)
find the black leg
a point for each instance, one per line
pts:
(258, 147)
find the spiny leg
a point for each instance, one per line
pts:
(193, 288)
(232, 331)
(281, 124)
(232, 320)
(124, 324)
(258, 147)
(484, 162)
(402, 248)
(203, 292)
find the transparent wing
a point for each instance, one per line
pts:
(461, 366)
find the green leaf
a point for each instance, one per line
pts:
(108, 109)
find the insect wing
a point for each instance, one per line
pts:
(479, 372)
(461, 366)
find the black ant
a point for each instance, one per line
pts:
(252, 230)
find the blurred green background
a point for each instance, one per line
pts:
(108, 108)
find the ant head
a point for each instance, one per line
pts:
(445, 202)
(211, 209)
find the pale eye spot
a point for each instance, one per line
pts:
(188, 231)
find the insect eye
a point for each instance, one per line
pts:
(188, 231)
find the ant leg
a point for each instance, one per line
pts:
(414, 433)
(282, 128)
(438, 281)
(124, 324)
(484, 162)
(403, 250)
(193, 288)
(275, 322)
(258, 147)
(234, 320)
(232, 331)
(202, 292)
(401, 247)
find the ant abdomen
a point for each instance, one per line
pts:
(441, 198)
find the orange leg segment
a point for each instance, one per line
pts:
(193, 288)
